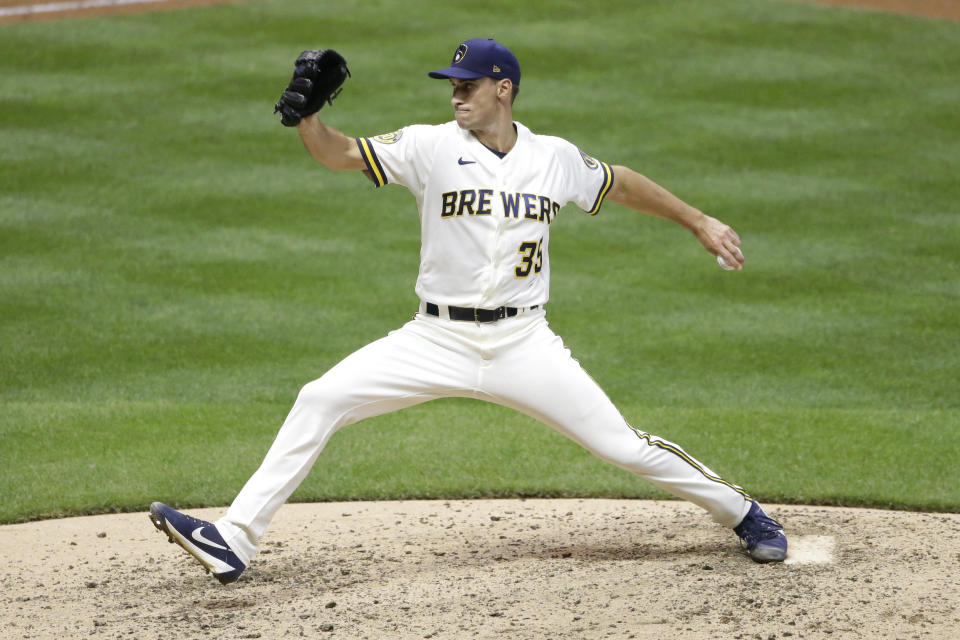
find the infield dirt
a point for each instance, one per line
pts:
(532, 569)
(55, 10)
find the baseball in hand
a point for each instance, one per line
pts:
(723, 263)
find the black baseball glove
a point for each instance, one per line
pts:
(318, 78)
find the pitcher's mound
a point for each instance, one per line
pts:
(483, 569)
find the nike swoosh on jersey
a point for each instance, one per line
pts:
(461, 161)
(198, 536)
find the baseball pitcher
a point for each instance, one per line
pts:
(488, 190)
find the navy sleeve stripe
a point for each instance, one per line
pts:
(375, 169)
(604, 189)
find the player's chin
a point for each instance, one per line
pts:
(463, 119)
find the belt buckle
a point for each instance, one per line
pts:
(476, 315)
(501, 313)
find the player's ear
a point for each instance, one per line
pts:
(504, 88)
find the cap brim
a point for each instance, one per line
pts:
(454, 72)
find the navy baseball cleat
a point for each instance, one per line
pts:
(201, 540)
(762, 535)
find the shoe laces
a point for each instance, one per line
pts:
(757, 527)
(194, 522)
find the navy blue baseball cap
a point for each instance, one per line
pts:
(481, 58)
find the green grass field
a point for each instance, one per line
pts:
(174, 267)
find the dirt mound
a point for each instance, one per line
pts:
(481, 569)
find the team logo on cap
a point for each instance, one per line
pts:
(460, 53)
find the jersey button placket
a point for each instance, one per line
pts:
(490, 287)
(496, 251)
(507, 239)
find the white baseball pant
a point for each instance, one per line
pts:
(517, 362)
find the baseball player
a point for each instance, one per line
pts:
(488, 191)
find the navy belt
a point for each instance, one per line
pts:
(467, 314)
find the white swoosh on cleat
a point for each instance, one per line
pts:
(198, 536)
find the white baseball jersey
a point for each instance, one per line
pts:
(485, 220)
